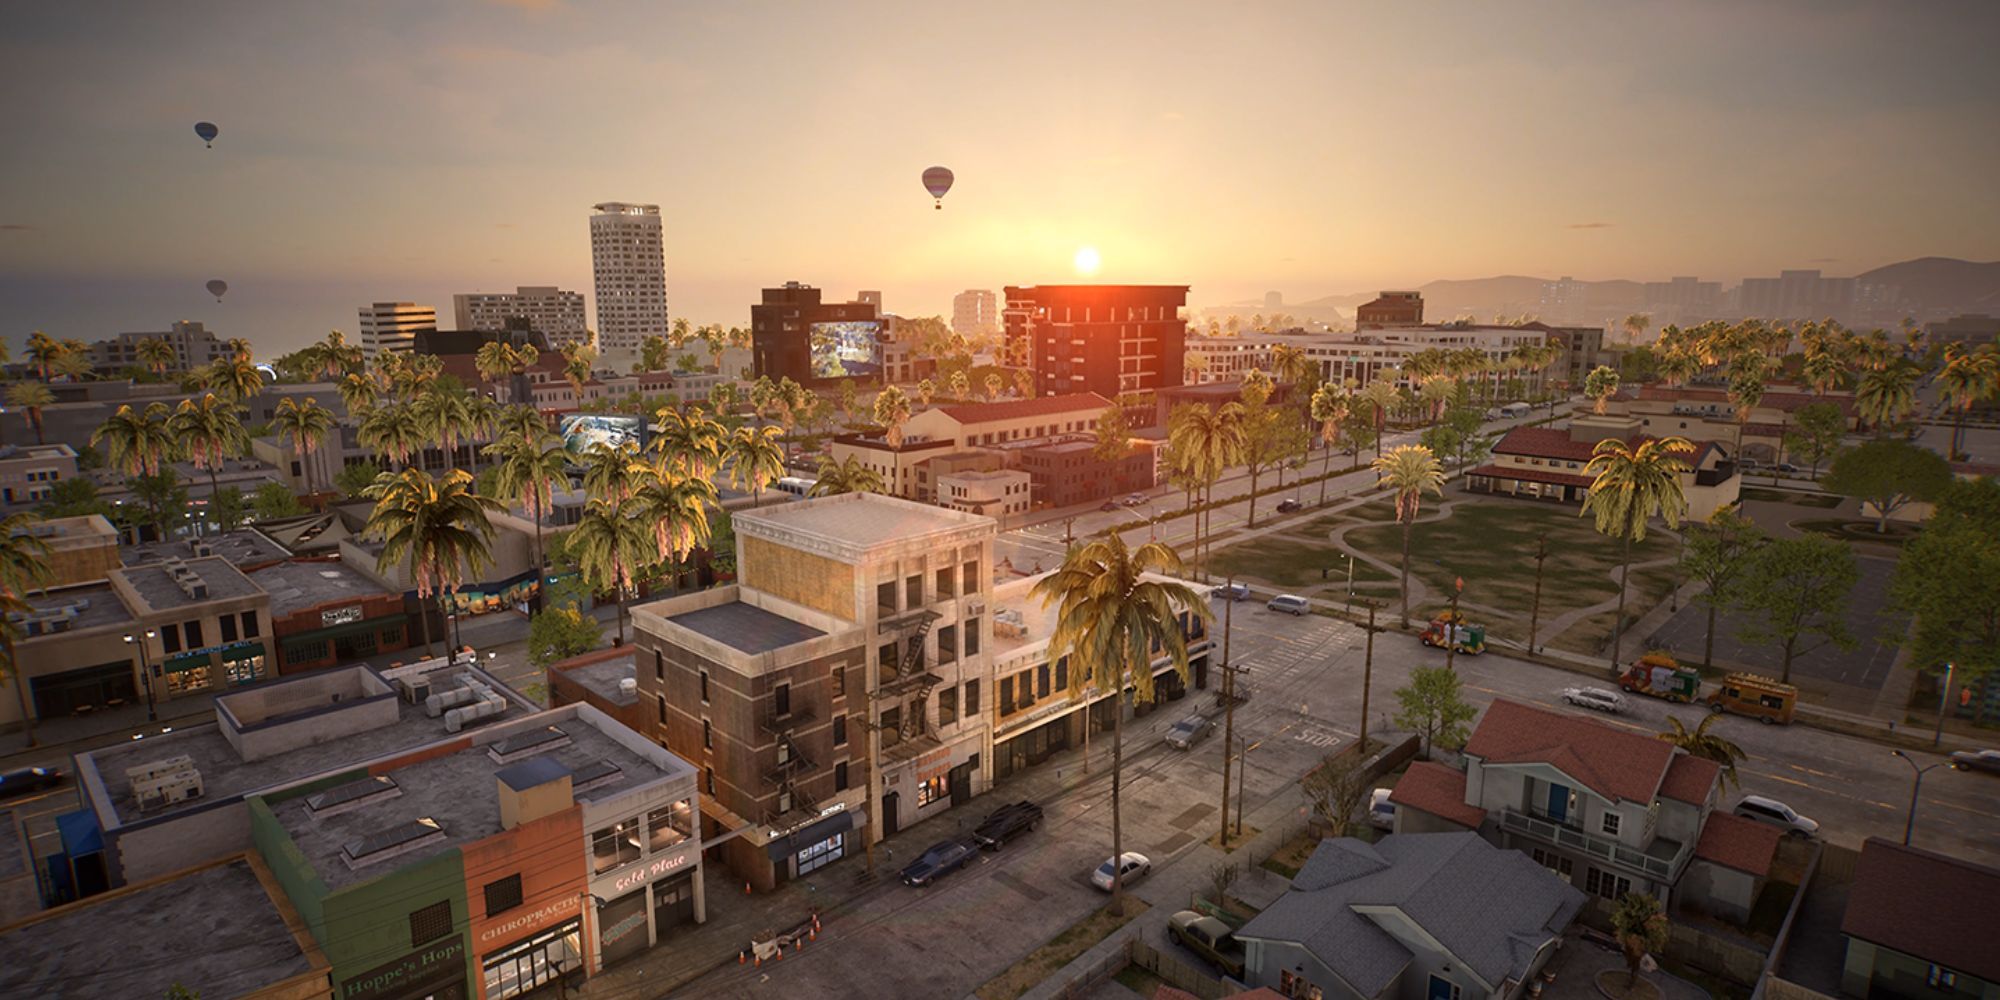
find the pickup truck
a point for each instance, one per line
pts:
(939, 860)
(1210, 938)
(1006, 823)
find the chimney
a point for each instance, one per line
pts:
(533, 789)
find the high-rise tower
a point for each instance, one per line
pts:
(630, 265)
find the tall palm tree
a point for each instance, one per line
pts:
(1746, 390)
(1968, 377)
(1635, 327)
(440, 529)
(30, 397)
(1885, 394)
(337, 358)
(689, 441)
(1699, 742)
(235, 379)
(756, 458)
(1210, 439)
(577, 362)
(307, 425)
(1600, 385)
(528, 460)
(1411, 471)
(1380, 394)
(1823, 369)
(845, 476)
(613, 473)
(1328, 409)
(1109, 619)
(209, 432)
(610, 549)
(393, 430)
(24, 566)
(359, 391)
(43, 351)
(892, 410)
(675, 508)
(74, 361)
(445, 411)
(494, 361)
(157, 354)
(1630, 485)
(137, 442)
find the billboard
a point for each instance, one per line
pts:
(581, 430)
(847, 349)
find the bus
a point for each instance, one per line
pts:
(795, 485)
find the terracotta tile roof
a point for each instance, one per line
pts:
(1544, 442)
(1531, 475)
(1776, 400)
(1734, 842)
(1439, 790)
(1040, 406)
(1936, 908)
(1689, 778)
(1616, 764)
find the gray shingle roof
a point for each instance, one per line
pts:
(1491, 908)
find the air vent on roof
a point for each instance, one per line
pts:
(200, 548)
(527, 744)
(385, 844)
(165, 782)
(352, 795)
(593, 775)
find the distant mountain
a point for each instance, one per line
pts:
(1941, 282)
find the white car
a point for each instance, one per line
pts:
(1601, 699)
(1778, 814)
(1381, 811)
(1135, 866)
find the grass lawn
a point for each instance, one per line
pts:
(1490, 542)
(1822, 500)
(1290, 561)
(1060, 950)
(1859, 531)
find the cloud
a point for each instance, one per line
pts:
(1588, 225)
(18, 227)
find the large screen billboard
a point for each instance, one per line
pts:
(851, 349)
(582, 430)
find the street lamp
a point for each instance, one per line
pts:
(1910, 825)
(1944, 694)
(145, 672)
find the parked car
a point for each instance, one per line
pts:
(1381, 811)
(1787, 468)
(1135, 500)
(1976, 760)
(22, 781)
(1777, 814)
(1208, 937)
(938, 860)
(1231, 592)
(1288, 505)
(1108, 506)
(1134, 865)
(1006, 823)
(1600, 699)
(1291, 604)
(1190, 731)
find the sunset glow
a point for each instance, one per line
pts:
(1087, 261)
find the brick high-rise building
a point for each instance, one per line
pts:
(629, 262)
(549, 311)
(1106, 339)
(1390, 309)
(785, 325)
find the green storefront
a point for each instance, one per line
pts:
(229, 665)
(343, 643)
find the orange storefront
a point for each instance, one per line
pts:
(525, 888)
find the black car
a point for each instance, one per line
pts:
(1288, 505)
(21, 781)
(1006, 823)
(939, 860)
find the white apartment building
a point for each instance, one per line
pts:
(973, 311)
(1226, 359)
(556, 314)
(1359, 356)
(194, 346)
(630, 265)
(393, 326)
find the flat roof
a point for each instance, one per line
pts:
(241, 547)
(296, 586)
(460, 792)
(224, 773)
(97, 606)
(157, 588)
(215, 931)
(602, 676)
(859, 519)
(746, 627)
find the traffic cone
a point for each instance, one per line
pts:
(813, 935)
(741, 958)
(781, 954)
(760, 961)
(799, 943)
(815, 923)
(746, 887)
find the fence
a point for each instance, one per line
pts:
(1691, 946)
(1103, 969)
(1784, 936)
(1177, 973)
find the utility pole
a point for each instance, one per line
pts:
(1451, 628)
(1535, 616)
(1367, 673)
(1944, 695)
(1228, 703)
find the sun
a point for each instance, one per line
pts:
(1087, 260)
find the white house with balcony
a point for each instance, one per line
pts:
(1608, 810)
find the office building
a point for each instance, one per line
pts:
(194, 346)
(1970, 329)
(555, 314)
(391, 327)
(795, 334)
(973, 313)
(1682, 299)
(81, 549)
(29, 472)
(629, 263)
(1390, 309)
(1106, 339)
(1799, 295)
(869, 297)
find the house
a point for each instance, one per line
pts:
(1606, 809)
(1445, 916)
(1548, 463)
(1921, 925)
(1707, 414)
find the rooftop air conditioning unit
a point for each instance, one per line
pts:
(167, 789)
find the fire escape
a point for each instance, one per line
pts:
(906, 676)
(793, 765)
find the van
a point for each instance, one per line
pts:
(1757, 696)
(1291, 604)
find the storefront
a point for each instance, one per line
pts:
(640, 904)
(534, 961)
(434, 972)
(109, 685)
(343, 638)
(230, 665)
(1035, 745)
(815, 845)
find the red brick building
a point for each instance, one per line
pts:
(1106, 339)
(323, 615)
(597, 679)
(1390, 309)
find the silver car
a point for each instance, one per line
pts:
(1190, 731)
(1778, 814)
(1601, 699)
(1291, 604)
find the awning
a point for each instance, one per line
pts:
(185, 662)
(368, 626)
(245, 652)
(806, 836)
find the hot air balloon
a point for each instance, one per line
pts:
(208, 132)
(217, 287)
(937, 180)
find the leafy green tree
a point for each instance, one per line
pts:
(228, 507)
(1816, 433)
(162, 500)
(351, 480)
(1718, 553)
(1887, 475)
(1639, 365)
(1699, 742)
(275, 500)
(1433, 706)
(73, 497)
(558, 633)
(1600, 385)
(1114, 440)
(1640, 926)
(1272, 436)
(1795, 596)
(1948, 580)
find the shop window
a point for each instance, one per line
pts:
(614, 845)
(391, 636)
(244, 671)
(972, 697)
(931, 791)
(503, 895)
(183, 681)
(535, 962)
(823, 853)
(430, 923)
(669, 825)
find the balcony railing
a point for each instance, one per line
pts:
(1601, 848)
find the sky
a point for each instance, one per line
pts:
(409, 150)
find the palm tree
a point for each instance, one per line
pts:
(235, 379)
(74, 361)
(845, 476)
(31, 397)
(1823, 370)
(1211, 440)
(137, 442)
(654, 352)
(610, 549)
(306, 425)
(157, 354)
(689, 442)
(1968, 377)
(1885, 393)
(1109, 619)
(394, 430)
(613, 473)
(675, 508)
(1635, 327)
(445, 413)
(993, 385)
(438, 528)
(208, 432)
(1600, 385)
(43, 351)
(892, 410)
(1632, 484)
(1699, 742)
(1328, 408)
(1381, 395)
(577, 361)
(756, 458)
(336, 356)
(494, 360)
(24, 566)
(925, 390)
(961, 386)
(528, 460)
(359, 391)
(1746, 390)
(1411, 471)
